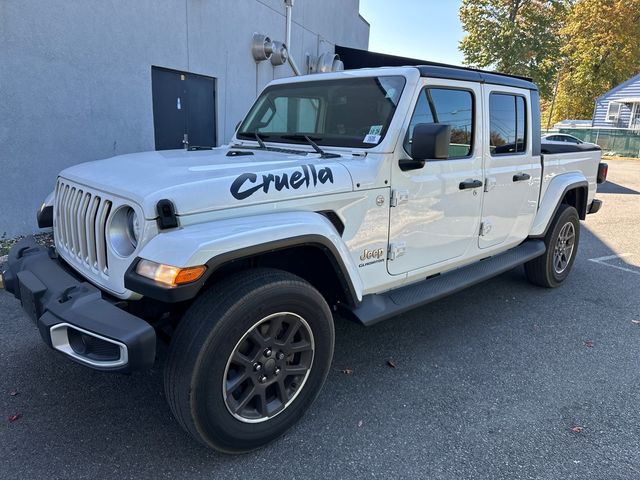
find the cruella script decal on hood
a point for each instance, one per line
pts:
(306, 176)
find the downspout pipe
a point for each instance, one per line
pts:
(288, 6)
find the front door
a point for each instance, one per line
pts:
(512, 174)
(436, 218)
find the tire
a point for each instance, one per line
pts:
(211, 366)
(552, 268)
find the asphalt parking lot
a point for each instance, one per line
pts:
(504, 380)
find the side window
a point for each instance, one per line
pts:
(450, 107)
(508, 124)
(613, 112)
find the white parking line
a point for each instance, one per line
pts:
(603, 261)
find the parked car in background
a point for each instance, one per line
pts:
(563, 138)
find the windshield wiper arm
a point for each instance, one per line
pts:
(313, 144)
(260, 142)
(262, 146)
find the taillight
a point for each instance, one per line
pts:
(603, 169)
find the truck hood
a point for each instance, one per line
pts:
(205, 180)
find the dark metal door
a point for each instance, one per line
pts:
(183, 109)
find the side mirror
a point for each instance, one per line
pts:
(430, 141)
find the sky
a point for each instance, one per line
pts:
(422, 29)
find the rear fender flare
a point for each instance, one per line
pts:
(555, 193)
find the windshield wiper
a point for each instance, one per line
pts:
(262, 146)
(259, 139)
(313, 144)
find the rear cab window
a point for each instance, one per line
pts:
(507, 124)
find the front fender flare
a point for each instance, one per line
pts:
(557, 189)
(218, 242)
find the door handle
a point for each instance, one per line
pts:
(521, 177)
(470, 184)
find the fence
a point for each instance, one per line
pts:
(613, 141)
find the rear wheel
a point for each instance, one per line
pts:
(248, 359)
(552, 268)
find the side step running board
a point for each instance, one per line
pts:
(378, 307)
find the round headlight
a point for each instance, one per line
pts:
(124, 231)
(133, 226)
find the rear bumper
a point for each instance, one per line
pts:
(595, 206)
(72, 315)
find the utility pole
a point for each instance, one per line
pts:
(553, 101)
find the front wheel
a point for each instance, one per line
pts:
(248, 359)
(552, 268)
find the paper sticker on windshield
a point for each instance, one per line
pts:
(374, 134)
(375, 130)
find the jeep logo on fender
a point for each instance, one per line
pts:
(369, 254)
(247, 184)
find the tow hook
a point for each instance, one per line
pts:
(66, 294)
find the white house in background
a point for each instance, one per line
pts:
(619, 107)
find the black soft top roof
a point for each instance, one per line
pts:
(355, 58)
(471, 75)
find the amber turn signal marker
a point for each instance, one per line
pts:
(168, 274)
(188, 275)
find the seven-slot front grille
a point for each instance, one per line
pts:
(80, 227)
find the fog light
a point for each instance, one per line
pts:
(168, 274)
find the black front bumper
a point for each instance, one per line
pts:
(72, 315)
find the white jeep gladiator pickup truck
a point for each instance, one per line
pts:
(363, 193)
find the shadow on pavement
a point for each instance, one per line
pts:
(474, 370)
(610, 187)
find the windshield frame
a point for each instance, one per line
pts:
(243, 133)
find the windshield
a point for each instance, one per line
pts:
(349, 112)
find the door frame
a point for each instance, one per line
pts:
(521, 222)
(477, 165)
(216, 100)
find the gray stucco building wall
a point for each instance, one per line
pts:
(75, 75)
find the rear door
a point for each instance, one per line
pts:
(512, 174)
(434, 219)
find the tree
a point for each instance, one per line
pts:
(601, 50)
(514, 36)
